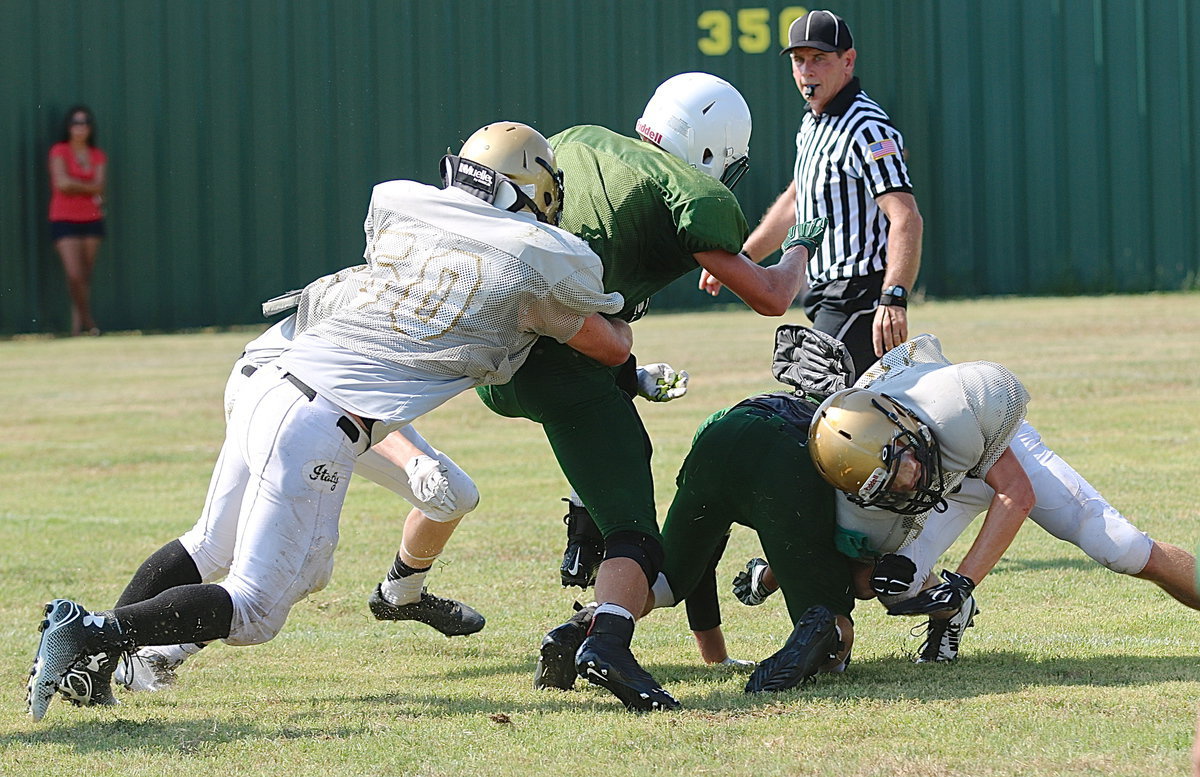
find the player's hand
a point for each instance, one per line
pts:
(736, 664)
(748, 584)
(950, 595)
(709, 283)
(808, 234)
(660, 383)
(427, 479)
(894, 575)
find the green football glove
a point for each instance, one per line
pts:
(808, 234)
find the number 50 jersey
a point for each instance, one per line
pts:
(459, 288)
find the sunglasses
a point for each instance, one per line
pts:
(81, 121)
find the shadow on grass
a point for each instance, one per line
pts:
(703, 692)
(982, 675)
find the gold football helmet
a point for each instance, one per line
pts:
(857, 439)
(529, 177)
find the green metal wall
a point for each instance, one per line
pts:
(1052, 141)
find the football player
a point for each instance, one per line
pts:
(462, 282)
(909, 447)
(654, 207)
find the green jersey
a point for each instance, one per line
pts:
(642, 210)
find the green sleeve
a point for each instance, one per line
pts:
(853, 544)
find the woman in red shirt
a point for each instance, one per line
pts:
(77, 170)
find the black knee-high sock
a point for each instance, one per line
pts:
(167, 567)
(185, 613)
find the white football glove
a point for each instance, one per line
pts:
(427, 479)
(660, 383)
(736, 664)
(748, 584)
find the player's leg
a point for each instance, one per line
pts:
(599, 442)
(1070, 508)
(428, 527)
(202, 555)
(792, 509)
(301, 450)
(1172, 569)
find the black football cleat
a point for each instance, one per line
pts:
(556, 659)
(605, 659)
(449, 616)
(812, 643)
(585, 548)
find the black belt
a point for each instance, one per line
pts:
(344, 423)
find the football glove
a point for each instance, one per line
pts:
(808, 234)
(736, 664)
(949, 595)
(427, 479)
(660, 383)
(748, 584)
(893, 575)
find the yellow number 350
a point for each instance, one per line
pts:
(754, 29)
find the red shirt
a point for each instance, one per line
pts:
(76, 207)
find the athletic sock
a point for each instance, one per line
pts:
(168, 567)
(404, 583)
(185, 613)
(608, 608)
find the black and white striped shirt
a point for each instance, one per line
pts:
(845, 158)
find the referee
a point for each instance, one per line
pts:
(850, 169)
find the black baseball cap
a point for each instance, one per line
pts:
(822, 30)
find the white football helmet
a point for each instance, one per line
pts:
(704, 121)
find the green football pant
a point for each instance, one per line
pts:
(593, 429)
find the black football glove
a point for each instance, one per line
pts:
(893, 575)
(950, 595)
(748, 584)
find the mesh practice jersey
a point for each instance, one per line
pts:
(972, 408)
(456, 293)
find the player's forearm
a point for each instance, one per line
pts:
(770, 232)
(1000, 526)
(607, 340)
(711, 644)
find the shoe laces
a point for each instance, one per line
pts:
(429, 601)
(935, 633)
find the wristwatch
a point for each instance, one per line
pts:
(894, 295)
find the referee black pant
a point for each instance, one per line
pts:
(845, 310)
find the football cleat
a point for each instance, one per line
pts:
(605, 659)
(89, 682)
(152, 669)
(77, 653)
(943, 636)
(585, 548)
(449, 616)
(813, 642)
(556, 657)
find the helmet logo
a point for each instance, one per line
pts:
(476, 174)
(873, 483)
(649, 133)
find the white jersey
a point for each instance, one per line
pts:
(456, 294)
(973, 410)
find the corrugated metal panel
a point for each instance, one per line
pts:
(1051, 141)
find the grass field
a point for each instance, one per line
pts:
(106, 446)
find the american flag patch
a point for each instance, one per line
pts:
(882, 148)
